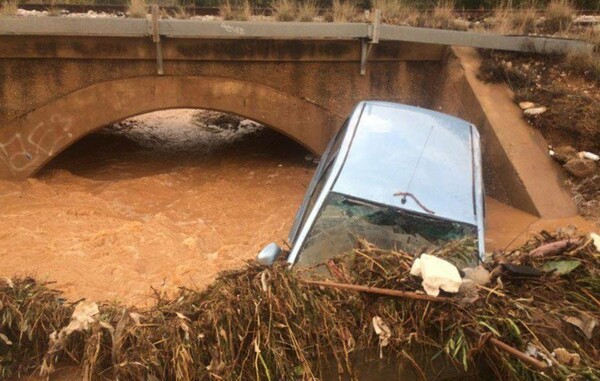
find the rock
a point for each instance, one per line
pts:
(581, 167)
(565, 357)
(460, 24)
(585, 20)
(478, 275)
(535, 111)
(564, 153)
(526, 105)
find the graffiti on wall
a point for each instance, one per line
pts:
(25, 150)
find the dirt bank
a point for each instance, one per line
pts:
(561, 97)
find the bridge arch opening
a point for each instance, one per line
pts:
(33, 140)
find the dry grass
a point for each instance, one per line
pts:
(443, 16)
(269, 324)
(9, 8)
(559, 16)
(284, 10)
(181, 13)
(511, 20)
(137, 9)
(585, 64)
(397, 12)
(235, 10)
(342, 11)
(307, 11)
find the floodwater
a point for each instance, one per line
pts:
(161, 201)
(166, 200)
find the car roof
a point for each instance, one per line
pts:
(399, 148)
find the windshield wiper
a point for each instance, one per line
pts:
(408, 194)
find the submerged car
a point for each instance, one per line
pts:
(400, 177)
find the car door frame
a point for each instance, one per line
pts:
(300, 231)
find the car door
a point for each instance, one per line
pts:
(318, 181)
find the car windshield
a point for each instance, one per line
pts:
(343, 220)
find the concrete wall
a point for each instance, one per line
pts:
(517, 168)
(53, 91)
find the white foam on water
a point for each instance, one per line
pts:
(183, 130)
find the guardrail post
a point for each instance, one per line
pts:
(366, 44)
(156, 39)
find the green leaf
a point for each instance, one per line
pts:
(494, 330)
(561, 267)
(299, 370)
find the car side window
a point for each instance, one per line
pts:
(316, 192)
(323, 172)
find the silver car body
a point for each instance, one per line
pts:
(385, 148)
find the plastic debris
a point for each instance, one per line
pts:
(535, 111)
(521, 271)
(437, 274)
(526, 105)
(588, 155)
(85, 313)
(384, 333)
(534, 352)
(565, 357)
(596, 239)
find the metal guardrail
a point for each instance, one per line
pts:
(173, 28)
(532, 44)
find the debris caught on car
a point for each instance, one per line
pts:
(300, 327)
(437, 274)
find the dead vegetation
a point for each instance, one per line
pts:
(137, 9)
(559, 16)
(585, 65)
(9, 8)
(567, 86)
(511, 20)
(269, 323)
(239, 10)
(284, 10)
(342, 11)
(397, 12)
(587, 196)
(568, 90)
(307, 11)
(443, 16)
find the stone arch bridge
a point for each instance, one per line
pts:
(63, 78)
(55, 89)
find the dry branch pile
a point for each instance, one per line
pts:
(269, 324)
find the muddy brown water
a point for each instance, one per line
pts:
(165, 204)
(110, 218)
